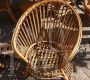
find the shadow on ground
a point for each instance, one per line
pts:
(80, 59)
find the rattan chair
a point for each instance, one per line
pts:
(47, 37)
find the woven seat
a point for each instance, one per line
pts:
(47, 37)
(65, 73)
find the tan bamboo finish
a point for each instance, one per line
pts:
(50, 23)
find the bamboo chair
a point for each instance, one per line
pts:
(47, 37)
(5, 6)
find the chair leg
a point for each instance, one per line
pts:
(65, 77)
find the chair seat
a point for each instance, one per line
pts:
(56, 74)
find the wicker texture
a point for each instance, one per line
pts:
(57, 74)
(47, 36)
